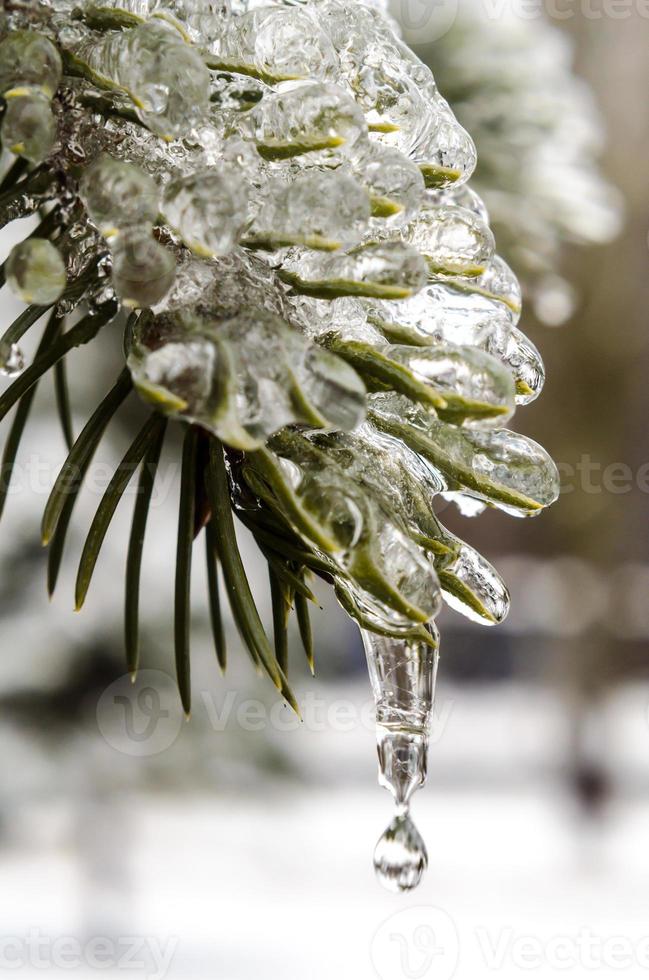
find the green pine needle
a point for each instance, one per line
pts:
(281, 605)
(63, 403)
(22, 413)
(81, 453)
(304, 625)
(13, 174)
(135, 546)
(82, 333)
(186, 514)
(22, 323)
(121, 478)
(57, 541)
(240, 597)
(213, 593)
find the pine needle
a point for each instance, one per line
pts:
(82, 451)
(108, 505)
(57, 542)
(14, 173)
(281, 606)
(63, 403)
(304, 625)
(22, 413)
(22, 323)
(135, 546)
(81, 333)
(240, 597)
(213, 592)
(186, 512)
(289, 579)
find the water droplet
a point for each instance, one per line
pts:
(400, 856)
(36, 271)
(402, 673)
(12, 360)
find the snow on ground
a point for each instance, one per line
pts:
(274, 879)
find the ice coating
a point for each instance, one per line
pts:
(276, 44)
(277, 193)
(243, 377)
(316, 120)
(455, 241)
(321, 182)
(143, 270)
(208, 209)
(29, 127)
(392, 270)
(501, 467)
(395, 183)
(162, 75)
(323, 210)
(118, 195)
(30, 73)
(29, 60)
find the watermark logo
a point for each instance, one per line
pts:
(35, 950)
(416, 944)
(424, 21)
(145, 718)
(142, 718)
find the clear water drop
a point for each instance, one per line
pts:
(402, 673)
(400, 856)
(12, 360)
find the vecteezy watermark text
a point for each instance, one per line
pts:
(145, 718)
(39, 951)
(424, 942)
(425, 21)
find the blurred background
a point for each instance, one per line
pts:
(239, 845)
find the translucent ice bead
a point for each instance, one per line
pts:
(163, 75)
(395, 183)
(244, 377)
(307, 117)
(391, 270)
(143, 270)
(448, 156)
(320, 209)
(208, 210)
(29, 127)
(404, 566)
(497, 466)
(202, 21)
(482, 595)
(36, 272)
(478, 379)
(277, 44)
(118, 195)
(455, 241)
(29, 60)
(507, 459)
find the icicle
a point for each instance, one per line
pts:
(402, 674)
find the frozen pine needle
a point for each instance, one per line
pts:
(277, 196)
